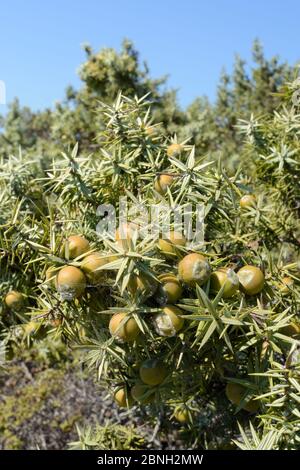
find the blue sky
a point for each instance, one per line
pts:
(191, 40)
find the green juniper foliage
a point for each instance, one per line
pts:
(244, 345)
(211, 126)
(108, 437)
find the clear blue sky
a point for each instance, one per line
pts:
(40, 41)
